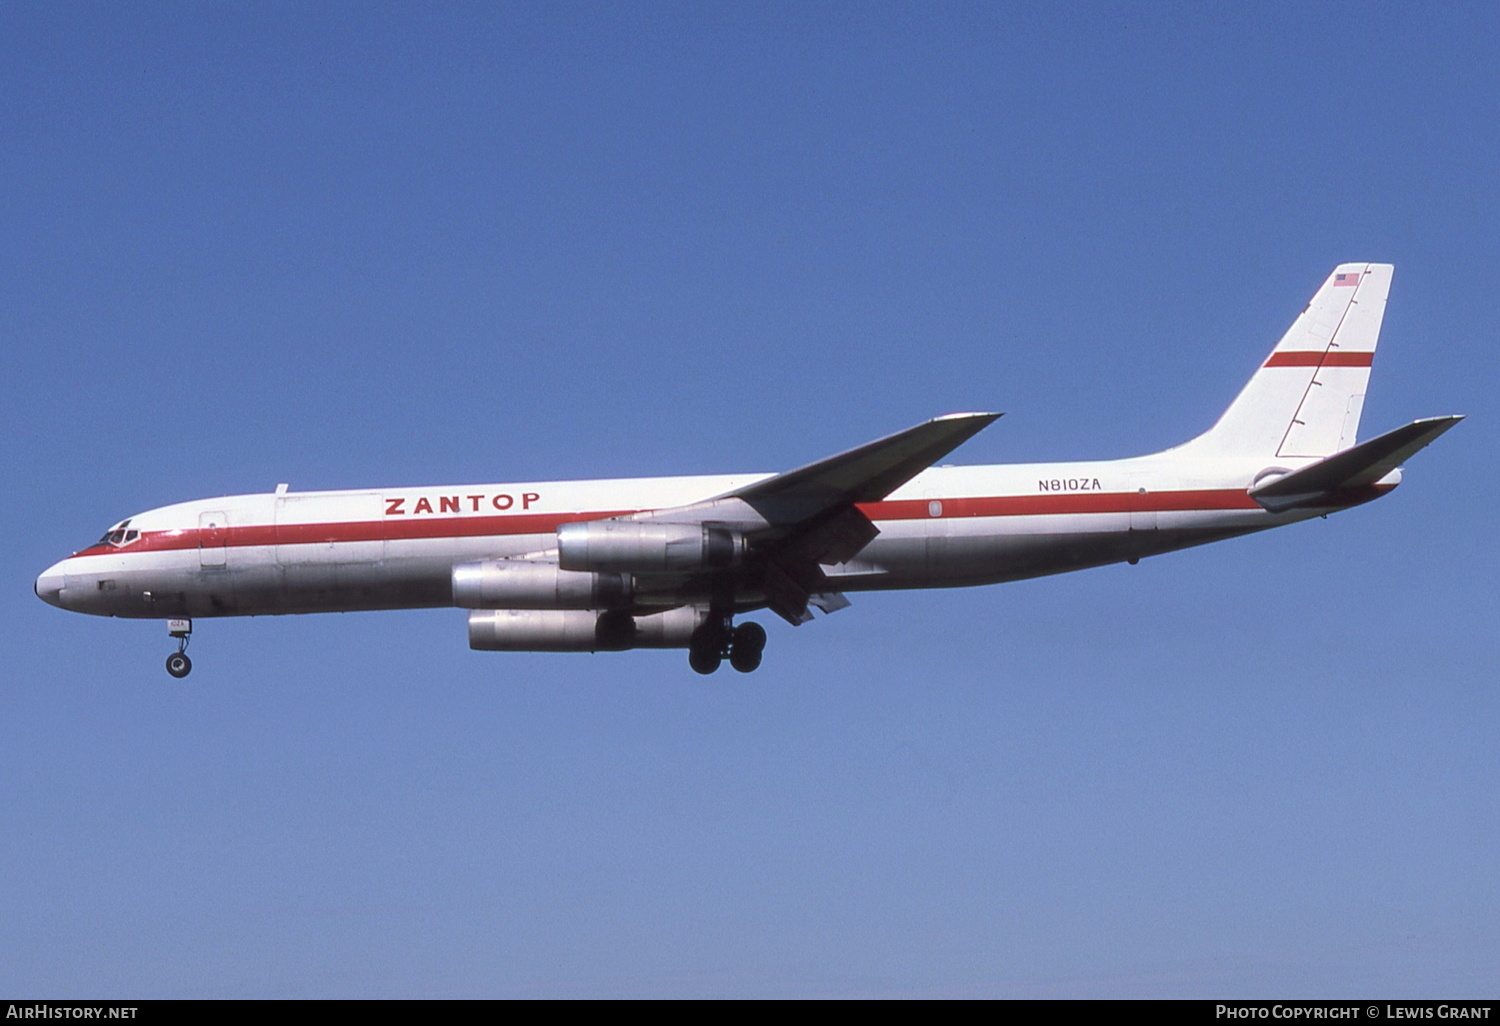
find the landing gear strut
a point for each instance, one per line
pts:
(178, 664)
(717, 639)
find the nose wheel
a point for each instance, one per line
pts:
(715, 641)
(178, 664)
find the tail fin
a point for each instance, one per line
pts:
(1306, 398)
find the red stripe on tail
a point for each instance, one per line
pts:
(1316, 358)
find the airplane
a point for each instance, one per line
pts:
(670, 562)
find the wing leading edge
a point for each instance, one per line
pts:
(865, 474)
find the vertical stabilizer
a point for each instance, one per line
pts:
(1305, 400)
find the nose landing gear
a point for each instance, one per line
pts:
(716, 639)
(178, 664)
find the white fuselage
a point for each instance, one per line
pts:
(300, 552)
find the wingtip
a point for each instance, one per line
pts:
(969, 416)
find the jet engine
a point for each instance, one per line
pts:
(580, 630)
(647, 548)
(521, 584)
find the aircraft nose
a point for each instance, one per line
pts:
(49, 586)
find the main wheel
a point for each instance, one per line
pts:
(746, 660)
(179, 665)
(704, 660)
(750, 635)
(749, 641)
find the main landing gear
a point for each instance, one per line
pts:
(178, 664)
(717, 639)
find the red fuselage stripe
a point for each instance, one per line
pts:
(405, 529)
(1319, 358)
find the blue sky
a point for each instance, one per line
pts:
(363, 245)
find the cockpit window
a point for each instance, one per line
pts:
(118, 536)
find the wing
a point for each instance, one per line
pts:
(866, 474)
(797, 522)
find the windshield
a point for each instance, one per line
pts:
(117, 536)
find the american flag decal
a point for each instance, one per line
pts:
(1351, 278)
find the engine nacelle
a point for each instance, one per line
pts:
(647, 548)
(580, 630)
(520, 584)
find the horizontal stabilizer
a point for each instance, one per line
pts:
(1334, 480)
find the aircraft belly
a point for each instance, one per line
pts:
(263, 580)
(991, 550)
(413, 573)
